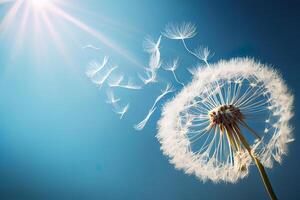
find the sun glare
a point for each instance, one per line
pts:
(39, 4)
(44, 18)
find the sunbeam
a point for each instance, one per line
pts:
(39, 4)
(10, 16)
(96, 34)
(5, 1)
(44, 16)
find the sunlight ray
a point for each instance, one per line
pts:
(5, 1)
(58, 41)
(94, 33)
(19, 38)
(10, 16)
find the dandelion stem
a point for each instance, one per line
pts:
(176, 79)
(188, 50)
(265, 179)
(194, 54)
(259, 166)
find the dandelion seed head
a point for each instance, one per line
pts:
(202, 128)
(172, 66)
(155, 60)
(150, 46)
(181, 31)
(203, 53)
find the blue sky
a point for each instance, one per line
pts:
(59, 139)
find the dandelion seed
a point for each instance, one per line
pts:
(90, 46)
(130, 85)
(122, 111)
(192, 70)
(154, 50)
(183, 31)
(99, 81)
(150, 46)
(208, 128)
(142, 124)
(116, 82)
(154, 62)
(111, 98)
(203, 53)
(151, 78)
(172, 67)
(95, 67)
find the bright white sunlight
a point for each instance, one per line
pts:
(47, 17)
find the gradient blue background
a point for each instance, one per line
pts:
(60, 140)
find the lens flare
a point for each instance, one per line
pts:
(39, 4)
(45, 19)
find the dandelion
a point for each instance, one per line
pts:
(150, 46)
(143, 123)
(192, 70)
(121, 111)
(172, 67)
(150, 77)
(90, 46)
(187, 30)
(111, 98)
(183, 31)
(153, 49)
(204, 54)
(99, 81)
(130, 85)
(96, 67)
(154, 62)
(233, 114)
(116, 81)
(164, 92)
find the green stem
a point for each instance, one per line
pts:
(260, 167)
(265, 179)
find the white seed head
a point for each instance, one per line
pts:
(172, 66)
(181, 31)
(203, 53)
(201, 129)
